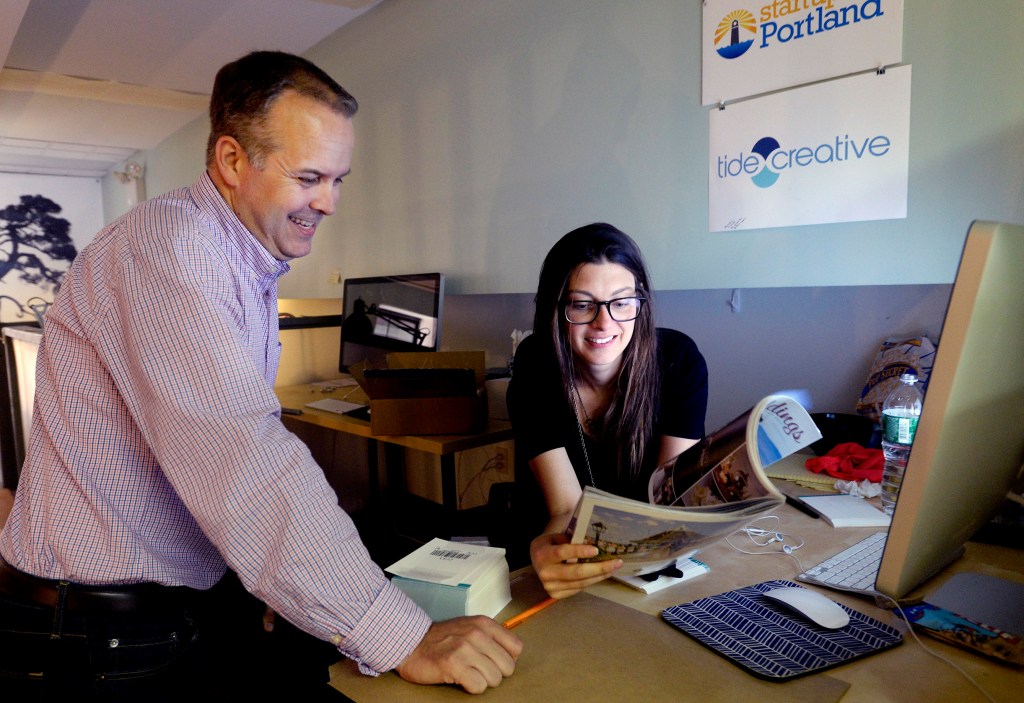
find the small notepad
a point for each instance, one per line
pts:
(846, 510)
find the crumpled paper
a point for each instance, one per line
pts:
(864, 489)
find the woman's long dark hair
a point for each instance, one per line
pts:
(630, 418)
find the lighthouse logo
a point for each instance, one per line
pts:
(735, 34)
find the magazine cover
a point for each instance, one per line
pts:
(728, 466)
(966, 633)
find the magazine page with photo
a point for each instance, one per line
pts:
(713, 488)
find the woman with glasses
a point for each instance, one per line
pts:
(598, 395)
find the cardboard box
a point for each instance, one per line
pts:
(426, 393)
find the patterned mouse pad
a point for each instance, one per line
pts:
(770, 641)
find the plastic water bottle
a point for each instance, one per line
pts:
(900, 414)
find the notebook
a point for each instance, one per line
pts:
(793, 468)
(843, 510)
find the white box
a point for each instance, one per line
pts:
(451, 579)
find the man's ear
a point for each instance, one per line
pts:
(229, 158)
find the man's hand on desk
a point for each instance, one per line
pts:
(556, 562)
(474, 652)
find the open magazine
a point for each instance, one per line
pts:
(716, 486)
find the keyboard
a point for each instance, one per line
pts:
(853, 569)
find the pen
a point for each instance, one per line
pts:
(802, 506)
(529, 612)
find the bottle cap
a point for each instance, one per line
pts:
(909, 377)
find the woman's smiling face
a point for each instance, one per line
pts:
(600, 345)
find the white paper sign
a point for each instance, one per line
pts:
(752, 47)
(831, 152)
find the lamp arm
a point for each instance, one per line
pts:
(398, 321)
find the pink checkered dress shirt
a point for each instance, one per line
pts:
(157, 451)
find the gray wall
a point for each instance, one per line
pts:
(820, 339)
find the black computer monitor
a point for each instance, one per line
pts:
(969, 446)
(382, 314)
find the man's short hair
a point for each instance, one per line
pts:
(245, 90)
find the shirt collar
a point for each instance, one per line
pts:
(209, 199)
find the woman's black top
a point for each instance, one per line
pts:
(543, 419)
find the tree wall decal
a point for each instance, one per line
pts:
(33, 242)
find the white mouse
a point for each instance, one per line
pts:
(813, 606)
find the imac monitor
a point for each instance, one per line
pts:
(383, 314)
(969, 447)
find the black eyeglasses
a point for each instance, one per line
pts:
(583, 312)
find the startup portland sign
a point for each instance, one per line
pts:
(752, 47)
(783, 21)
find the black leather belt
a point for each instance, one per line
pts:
(134, 598)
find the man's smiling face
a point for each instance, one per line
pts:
(282, 200)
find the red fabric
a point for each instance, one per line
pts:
(850, 462)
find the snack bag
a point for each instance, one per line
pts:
(895, 357)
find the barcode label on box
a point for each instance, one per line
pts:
(449, 554)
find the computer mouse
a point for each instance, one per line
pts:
(813, 606)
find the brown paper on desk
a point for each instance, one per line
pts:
(586, 648)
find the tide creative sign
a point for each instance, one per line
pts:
(836, 151)
(751, 47)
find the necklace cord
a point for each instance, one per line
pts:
(579, 427)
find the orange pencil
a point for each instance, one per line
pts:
(529, 612)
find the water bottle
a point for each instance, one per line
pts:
(900, 413)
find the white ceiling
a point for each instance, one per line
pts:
(86, 83)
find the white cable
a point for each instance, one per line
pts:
(903, 615)
(766, 536)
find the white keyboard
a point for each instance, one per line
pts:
(853, 569)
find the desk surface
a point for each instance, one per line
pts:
(609, 643)
(298, 396)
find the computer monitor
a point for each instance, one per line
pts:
(969, 446)
(383, 314)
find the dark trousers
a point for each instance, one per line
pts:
(209, 646)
